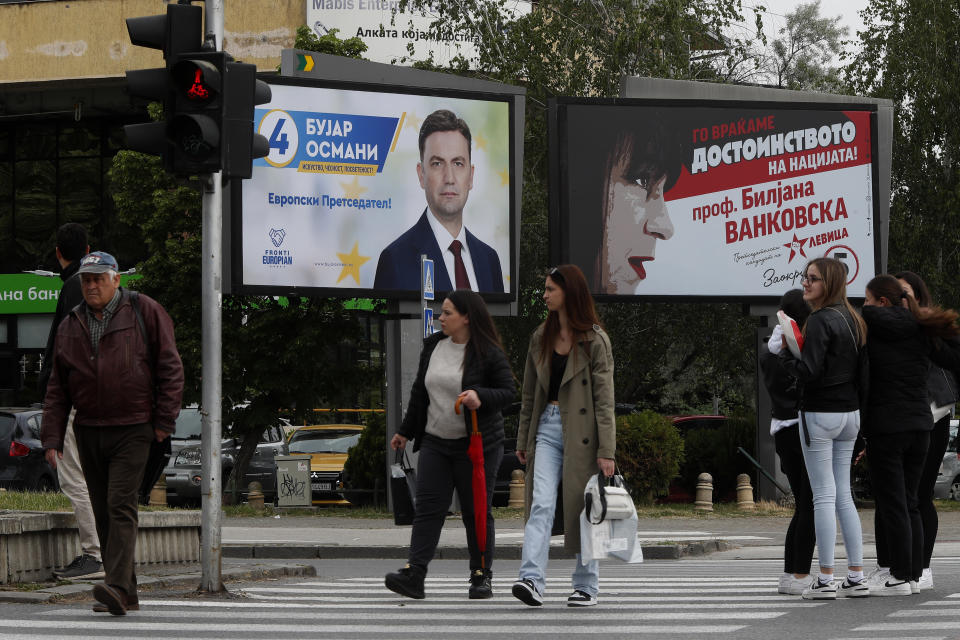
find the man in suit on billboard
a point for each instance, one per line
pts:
(446, 175)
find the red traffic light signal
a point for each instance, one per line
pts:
(195, 129)
(177, 31)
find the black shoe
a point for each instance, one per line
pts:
(83, 567)
(481, 584)
(407, 582)
(525, 591)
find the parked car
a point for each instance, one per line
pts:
(327, 445)
(183, 476)
(22, 464)
(948, 477)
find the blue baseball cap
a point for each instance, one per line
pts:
(98, 262)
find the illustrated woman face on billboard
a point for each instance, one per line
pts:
(641, 164)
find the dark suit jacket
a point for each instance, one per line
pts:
(399, 264)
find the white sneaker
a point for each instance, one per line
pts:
(926, 580)
(792, 586)
(891, 587)
(914, 587)
(878, 576)
(819, 591)
(849, 589)
(581, 599)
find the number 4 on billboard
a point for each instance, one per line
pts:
(278, 140)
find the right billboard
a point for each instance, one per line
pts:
(711, 199)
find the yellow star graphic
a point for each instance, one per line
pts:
(412, 121)
(351, 263)
(353, 189)
(504, 177)
(481, 141)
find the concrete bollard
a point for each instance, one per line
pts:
(158, 494)
(704, 496)
(745, 493)
(518, 494)
(255, 495)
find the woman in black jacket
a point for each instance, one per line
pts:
(829, 370)
(943, 395)
(784, 393)
(465, 362)
(898, 422)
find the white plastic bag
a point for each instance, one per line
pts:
(615, 539)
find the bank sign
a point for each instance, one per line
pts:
(29, 293)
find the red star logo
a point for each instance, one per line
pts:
(796, 247)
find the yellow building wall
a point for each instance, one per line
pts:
(88, 38)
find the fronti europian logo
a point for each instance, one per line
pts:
(277, 236)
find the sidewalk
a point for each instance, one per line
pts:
(255, 548)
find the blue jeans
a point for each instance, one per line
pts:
(547, 471)
(828, 458)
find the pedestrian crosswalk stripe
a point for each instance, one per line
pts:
(519, 615)
(925, 613)
(389, 628)
(433, 604)
(337, 588)
(908, 626)
(620, 598)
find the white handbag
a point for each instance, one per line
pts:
(607, 499)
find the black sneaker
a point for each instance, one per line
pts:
(407, 582)
(526, 592)
(581, 599)
(83, 567)
(481, 584)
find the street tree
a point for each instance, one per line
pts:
(801, 57)
(910, 54)
(663, 357)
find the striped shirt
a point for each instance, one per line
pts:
(98, 327)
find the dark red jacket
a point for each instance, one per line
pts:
(116, 386)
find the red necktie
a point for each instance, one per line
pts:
(459, 270)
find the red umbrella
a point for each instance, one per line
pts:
(479, 485)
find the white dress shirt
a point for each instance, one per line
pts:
(444, 239)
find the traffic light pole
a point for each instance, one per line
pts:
(211, 556)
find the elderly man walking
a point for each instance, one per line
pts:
(116, 362)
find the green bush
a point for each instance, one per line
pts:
(649, 454)
(714, 451)
(363, 472)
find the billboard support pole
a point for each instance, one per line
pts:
(212, 367)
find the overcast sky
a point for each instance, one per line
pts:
(849, 10)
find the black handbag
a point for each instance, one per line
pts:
(156, 461)
(403, 489)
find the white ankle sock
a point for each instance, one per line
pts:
(825, 579)
(855, 576)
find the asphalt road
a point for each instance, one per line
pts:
(722, 597)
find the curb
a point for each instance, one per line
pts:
(81, 590)
(668, 551)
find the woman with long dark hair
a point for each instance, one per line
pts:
(899, 421)
(943, 396)
(784, 392)
(466, 362)
(566, 429)
(829, 370)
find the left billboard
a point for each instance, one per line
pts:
(360, 181)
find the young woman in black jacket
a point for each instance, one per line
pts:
(784, 392)
(828, 369)
(466, 362)
(943, 396)
(899, 421)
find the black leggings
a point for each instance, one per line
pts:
(928, 478)
(443, 466)
(801, 535)
(939, 439)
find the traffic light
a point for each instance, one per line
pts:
(195, 128)
(242, 92)
(178, 31)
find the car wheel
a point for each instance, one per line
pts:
(955, 489)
